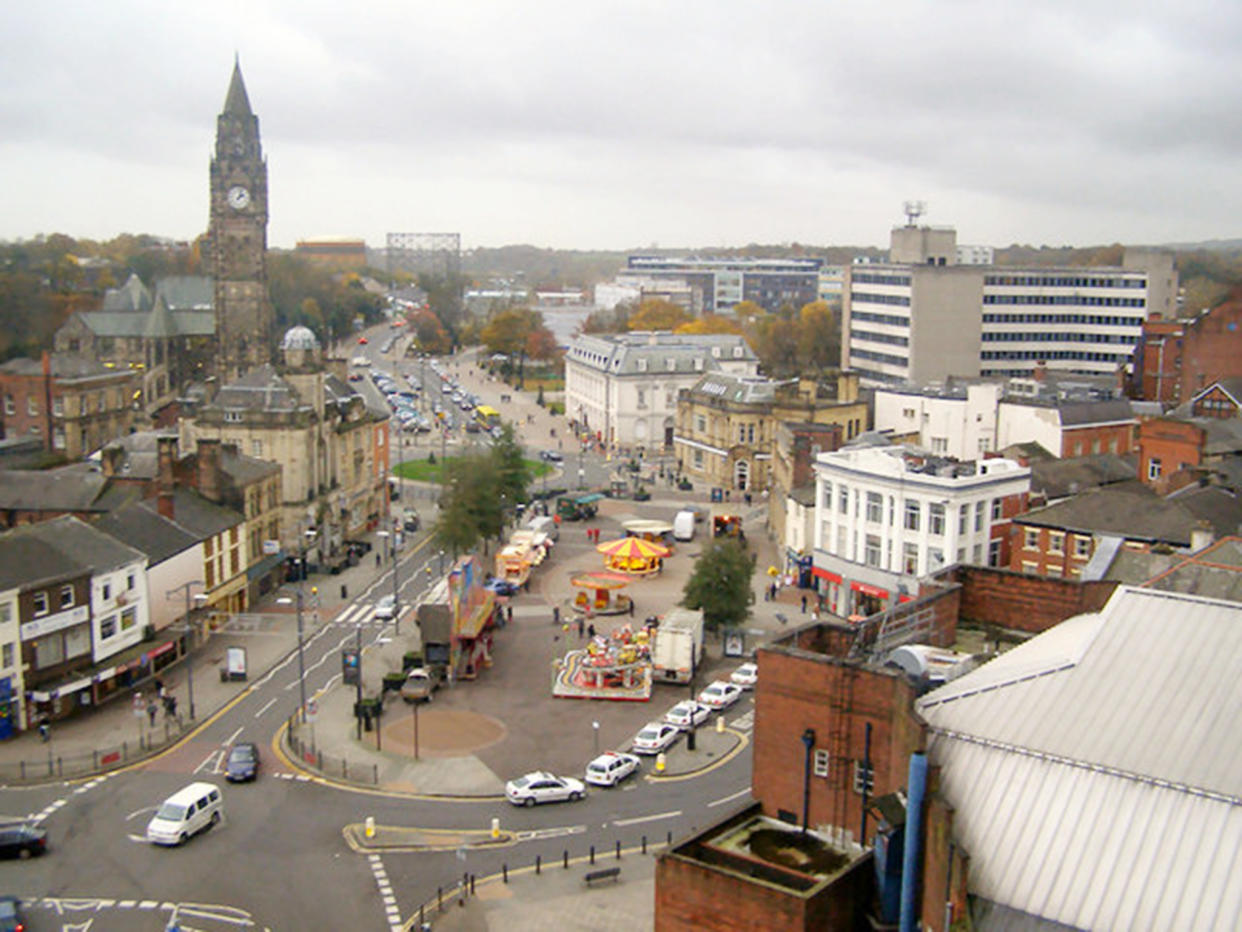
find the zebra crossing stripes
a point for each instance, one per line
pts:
(385, 890)
(358, 613)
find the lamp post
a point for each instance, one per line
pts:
(396, 569)
(298, 600)
(595, 729)
(188, 630)
(358, 680)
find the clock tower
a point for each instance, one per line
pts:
(238, 237)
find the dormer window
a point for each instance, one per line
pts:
(698, 365)
(716, 352)
(233, 417)
(670, 364)
(641, 365)
(737, 351)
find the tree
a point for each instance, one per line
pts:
(478, 491)
(658, 314)
(776, 345)
(711, 323)
(607, 321)
(720, 583)
(819, 337)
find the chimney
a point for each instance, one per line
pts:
(1202, 536)
(110, 459)
(164, 505)
(209, 481)
(165, 480)
(1041, 371)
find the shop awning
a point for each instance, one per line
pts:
(265, 566)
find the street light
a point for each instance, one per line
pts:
(595, 728)
(298, 599)
(187, 628)
(396, 569)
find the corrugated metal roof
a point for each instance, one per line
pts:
(1096, 770)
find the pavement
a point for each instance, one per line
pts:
(474, 735)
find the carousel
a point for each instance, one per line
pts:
(653, 532)
(614, 666)
(600, 593)
(633, 556)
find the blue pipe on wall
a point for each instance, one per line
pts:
(910, 855)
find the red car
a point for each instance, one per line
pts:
(362, 341)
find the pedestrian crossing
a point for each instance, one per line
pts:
(360, 613)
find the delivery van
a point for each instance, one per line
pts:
(683, 526)
(545, 523)
(185, 813)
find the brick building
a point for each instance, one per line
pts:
(74, 403)
(1175, 360)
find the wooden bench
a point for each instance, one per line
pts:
(607, 873)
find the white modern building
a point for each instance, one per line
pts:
(634, 289)
(621, 389)
(957, 420)
(11, 684)
(726, 282)
(884, 516)
(926, 316)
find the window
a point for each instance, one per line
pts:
(741, 433)
(910, 559)
(9, 407)
(40, 603)
(670, 364)
(1153, 468)
(256, 448)
(107, 591)
(130, 582)
(871, 555)
(700, 424)
(698, 364)
(58, 406)
(1030, 567)
(107, 627)
(58, 438)
(997, 511)
(698, 459)
(1054, 569)
(978, 516)
(233, 417)
(642, 397)
(935, 518)
(66, 596)
(1082, 547)
(913, 511)
(994, 553)
(940, 445)
(827, 498)
(129, 618)
(640, 365)
(819, 762)
(963, 519)
(843, 501)
(935, 559)
(875, 507)
(6, 658)
(976, 554)
(32, 405)
(864, 777)
(1056, 542)
(750, 433)
(1030, 539)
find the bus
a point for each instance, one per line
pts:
(488, 417)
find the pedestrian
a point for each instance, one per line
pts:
(631, 608)
(151, 710)
(159, 687)
(45, 730)
(591, 631)
(377, 558)
(556, 614)
(172, 706)
(804, 605)
(581, 624)
(509, 614)
(748, 498)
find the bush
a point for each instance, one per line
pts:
(431, 457)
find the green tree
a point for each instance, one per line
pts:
(819, 337)
(720, 583)
(479, 491)
(776, 345)
(658, 314)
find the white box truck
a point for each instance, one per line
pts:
(677, 646)
(683, 525)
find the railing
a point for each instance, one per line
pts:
(329, 765)
(56, 765)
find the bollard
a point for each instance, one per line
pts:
(660, 762)
(538, 863)
(670, 838)
(495, 828)
(344, 591)
(369, 831)
(504, 869)
(618, 849)
(720, 724)
(440, 898)
(565, 859)
(592, 854)
(644, 844)
(472, 884)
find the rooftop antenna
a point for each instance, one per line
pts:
(914, 210)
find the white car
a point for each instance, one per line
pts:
(655, 737)
(542, 787)
(687, 714)
(610, 768)
(720, 695)
(386, 607)
(746, 676)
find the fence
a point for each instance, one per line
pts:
(56, 765)
(328, 765)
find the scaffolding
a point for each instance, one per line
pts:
(425, 253)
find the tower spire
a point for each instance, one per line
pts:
(236, 101)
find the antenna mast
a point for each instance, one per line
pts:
(914, 210)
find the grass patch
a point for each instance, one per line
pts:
(426, 471)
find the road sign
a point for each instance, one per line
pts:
(312, 710)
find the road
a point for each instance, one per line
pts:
(280, 860)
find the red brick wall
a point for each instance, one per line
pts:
(1212, 347)
(945, 865)
(798, 691)
(1174, 443)
(1088, 441)
(1158, 366)
(1023, 602)
(21, 388)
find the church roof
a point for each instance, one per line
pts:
(187, 292)
(132, 296)
(160, 322)
(236, 101)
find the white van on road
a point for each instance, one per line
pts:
(185, 813)
(683, 526)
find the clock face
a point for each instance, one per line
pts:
(239, 197)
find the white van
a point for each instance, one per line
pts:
(683, 526)
(186, 812)
(546, 524)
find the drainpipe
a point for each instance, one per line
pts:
(912, 849)
(808, 742)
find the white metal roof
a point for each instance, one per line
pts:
(1096, 770)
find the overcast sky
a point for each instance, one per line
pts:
(613, 124)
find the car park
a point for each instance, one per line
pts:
(386, 607)
(19, 840)
(420, 683)
(720, 694)
(611, 767)
(243, 763)
(688, 714)
(543, 787)
(655, 737)
(746, 675)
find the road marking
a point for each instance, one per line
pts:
(271, 702)
(728, 799)
(385, 890)
(233, 737)
(744, 722)
(211, 763)
(550, 832)
(650, 818)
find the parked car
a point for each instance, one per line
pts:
(611, 767)
(746, 676)
(11, 914)
(551, 456)
(501, 586)
(688, 713)
(386, 607)
(420, 683)
(655, 737)
(720, 694)
(22, 841)
(543, 787)
(243, 763)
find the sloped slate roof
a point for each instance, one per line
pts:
(1096, 772)
(74, 488)
(58, 548)
(259, 389)
(1214, 572)
(62, 365)
(1057, 478)
(1131, 510)
(132, 296)
(1086, 413)
(153, 534)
